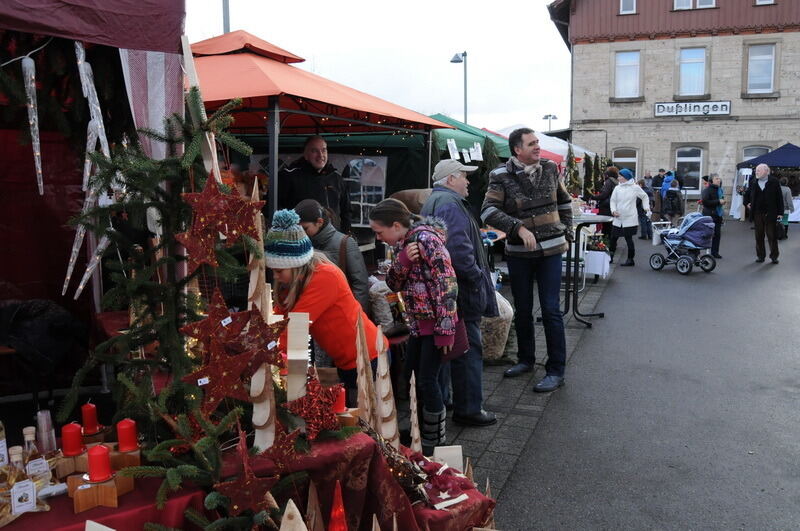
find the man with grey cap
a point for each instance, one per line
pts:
(476, 297)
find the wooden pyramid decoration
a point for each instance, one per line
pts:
(314, 519)
(387, 409)
(292, 519)
(416, 440)
(367, 408)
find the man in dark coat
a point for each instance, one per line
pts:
(476, 296)
(313, 177)
(766, 209)
(713, 201)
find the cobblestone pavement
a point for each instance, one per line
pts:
(494, 450)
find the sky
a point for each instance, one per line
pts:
(518, 67)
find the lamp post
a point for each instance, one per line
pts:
(462, 58)
(549, 118)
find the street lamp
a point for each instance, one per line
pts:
(462, 58)
(549, 118)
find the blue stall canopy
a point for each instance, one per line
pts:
(786, 156)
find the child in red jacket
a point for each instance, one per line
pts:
(306, 281)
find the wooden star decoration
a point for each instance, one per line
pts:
(282, 450)
(316, 407)
(199, 248)
(220, 324)
(247, 491)
(221, 377)
(264, 339)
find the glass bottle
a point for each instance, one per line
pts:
(16, 467)
(35, 464)
(30, 450)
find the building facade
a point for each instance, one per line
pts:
(691, 85)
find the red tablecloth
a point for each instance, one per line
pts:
(135, 509)
(368, 488)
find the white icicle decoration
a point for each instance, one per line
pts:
(98, 254)
(416, 441)
(29, 76)
(80, 233)
(92, 132)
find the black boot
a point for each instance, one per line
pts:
(433, 430)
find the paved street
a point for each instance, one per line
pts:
(680, 409)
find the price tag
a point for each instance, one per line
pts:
(272, 345)
(82, 487)
(23, 497)
(225, 322)
(204, 381)
(3, 452)
(37, 467)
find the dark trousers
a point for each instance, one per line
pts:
(425, 360)
(765, 226)
(717, 235)
(645, 227)
(546, 271)
(627, 233)
(467, 374)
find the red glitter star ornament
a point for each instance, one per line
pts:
(221, 377)
(264, 339)
(316, 407)
(247, 491)
(220, 323)
(199, 248)
(282, 451)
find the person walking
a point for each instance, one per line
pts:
(713, 206)
(766, 209)
(645, 225)
(626, 218)
(423, 272)
(527, 200)
(672, 203)
(788, 206)
(476, 295)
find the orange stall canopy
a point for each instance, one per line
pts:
(241, 65)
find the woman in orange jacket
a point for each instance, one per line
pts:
(305, 281)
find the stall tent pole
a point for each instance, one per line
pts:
(430, 154)
(273, 131)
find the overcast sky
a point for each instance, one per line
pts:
(518, 66)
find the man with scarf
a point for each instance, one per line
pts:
(527, 201)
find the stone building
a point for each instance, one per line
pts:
(691, 85)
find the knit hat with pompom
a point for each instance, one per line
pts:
(286, 245)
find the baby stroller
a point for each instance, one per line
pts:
(683, 245)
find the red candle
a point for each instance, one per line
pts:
(71, 441)
(89, 415)
(339, 406)
(127, 436)
(99, 463)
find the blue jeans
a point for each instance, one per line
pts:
(546, 271)
(466, 375)
(426, 361)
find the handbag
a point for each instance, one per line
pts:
(460, 343)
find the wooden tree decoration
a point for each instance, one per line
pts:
(314, 520)
(292, 519)
(367, 408)
(375, 525)
(297, 354)
(416, 442)
(387, 410)
(262, 393)
(468, 470)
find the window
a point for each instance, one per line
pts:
(683, 4)
(626, 83)
(693, 72)
(761, 69)
(689, 4)
(705, 3)
(751, 152)
(689, 165)
(765, 2)
(365, 179)
(627, 7)
(625, 158)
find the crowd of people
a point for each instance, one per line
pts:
(441, 269)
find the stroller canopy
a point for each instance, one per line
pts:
(696, 229)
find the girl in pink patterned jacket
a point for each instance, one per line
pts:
(422, 271)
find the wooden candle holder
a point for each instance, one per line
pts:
(348, 418)
(86, 495)
(98, 437)
(67, 466)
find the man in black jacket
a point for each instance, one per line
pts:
(713, 202)
(313, 177)
(766, 209)
(476, 297)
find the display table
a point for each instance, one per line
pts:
(368, 488)
(135, 509)
(795, 216)
(579, 223)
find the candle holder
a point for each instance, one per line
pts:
(68, 465)
(348, 418)
(88, 495)
(120, 460)
(71, 464)
(97, 437)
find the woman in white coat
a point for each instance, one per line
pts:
(626, 218)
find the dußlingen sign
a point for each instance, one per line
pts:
(693, 108)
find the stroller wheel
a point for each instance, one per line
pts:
(657, 261)
(707, 263)
(684, 265)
